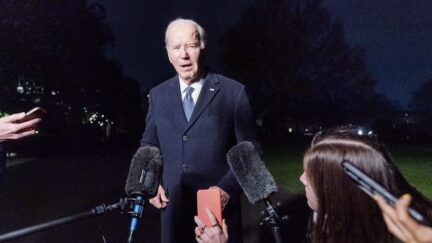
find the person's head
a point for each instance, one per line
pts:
(344, 212)
(185, 43)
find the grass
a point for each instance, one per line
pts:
(415, 162)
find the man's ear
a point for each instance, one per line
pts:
(169, 58)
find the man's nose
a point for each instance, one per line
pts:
(184, 53)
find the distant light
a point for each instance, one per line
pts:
(11, 155)
(370, 133)
(20, 89)
(360, 132)
(290, 130)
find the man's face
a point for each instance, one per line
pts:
(183, 47)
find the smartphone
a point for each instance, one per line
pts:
(211, 199)
(34, 113)
(371, 187)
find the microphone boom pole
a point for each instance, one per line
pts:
(101, 209)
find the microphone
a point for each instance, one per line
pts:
(251, 172)
(142, 181)
(257, 182)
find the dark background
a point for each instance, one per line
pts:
(307, 64)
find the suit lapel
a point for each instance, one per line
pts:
(208, 92)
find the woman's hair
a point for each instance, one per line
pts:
(345, 213)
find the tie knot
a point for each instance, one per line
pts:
(189, 90)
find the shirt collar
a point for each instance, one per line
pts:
(196, 85)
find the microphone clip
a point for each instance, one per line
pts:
(131, 210)
(272, 220)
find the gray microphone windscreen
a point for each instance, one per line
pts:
(251, 172)
(144, 172)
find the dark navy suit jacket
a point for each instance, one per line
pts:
(194, 152)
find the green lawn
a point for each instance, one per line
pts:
(415, 162)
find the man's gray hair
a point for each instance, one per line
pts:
(200, 30)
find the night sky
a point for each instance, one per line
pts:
(397, 36)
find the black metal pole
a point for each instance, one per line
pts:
(43, 226)
(36, 228)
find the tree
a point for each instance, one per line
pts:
(421, 102)
(296, 63)
(52, 54)
(422, 97)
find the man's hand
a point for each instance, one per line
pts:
(160, 200)
(9, 130)
(400, 223)
(224, 196)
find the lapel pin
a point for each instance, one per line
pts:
(211, 89)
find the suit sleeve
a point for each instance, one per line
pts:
(150, 136)
(245, 130)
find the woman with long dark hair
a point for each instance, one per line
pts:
(342, 211)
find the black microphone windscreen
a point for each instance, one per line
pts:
(144, 172)
(251, 172)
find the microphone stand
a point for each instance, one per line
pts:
(136, 213)
(272, 220)
(101, 209)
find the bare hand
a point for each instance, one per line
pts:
(224, 196)
(400, 224)
(213, 234)
(160, 200)
(9, 130)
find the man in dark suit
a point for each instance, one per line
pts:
(195, 118)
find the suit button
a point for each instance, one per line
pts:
(185, 138)
(185, 166)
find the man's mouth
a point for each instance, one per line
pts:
(186, 66)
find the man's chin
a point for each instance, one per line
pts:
(188, 77)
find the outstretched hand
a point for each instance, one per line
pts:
(213, 234)
(400, 224)
(11, 130)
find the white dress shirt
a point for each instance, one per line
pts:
(197, 89)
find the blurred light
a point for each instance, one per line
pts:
(20, 89)
(11, 155)
(360, 132)
(290, 130)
